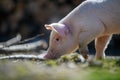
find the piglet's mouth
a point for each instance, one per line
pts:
(52, 56)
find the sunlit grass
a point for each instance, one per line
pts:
(66, 68)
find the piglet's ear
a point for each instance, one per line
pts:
(61, 29)
(49, 27)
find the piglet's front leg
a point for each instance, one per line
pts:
(84, 52)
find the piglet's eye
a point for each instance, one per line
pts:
(57, 39)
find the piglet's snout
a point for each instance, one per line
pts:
(48, 56)
(51, 55)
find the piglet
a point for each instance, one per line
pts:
(92, 19)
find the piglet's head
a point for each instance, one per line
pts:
(60, 29)
(61, 41)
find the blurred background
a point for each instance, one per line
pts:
(27, 17)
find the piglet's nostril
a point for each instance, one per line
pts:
(45, 56)
(48, 55)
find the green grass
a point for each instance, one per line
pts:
(110, 70)
(102, 74)
(66, 68)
